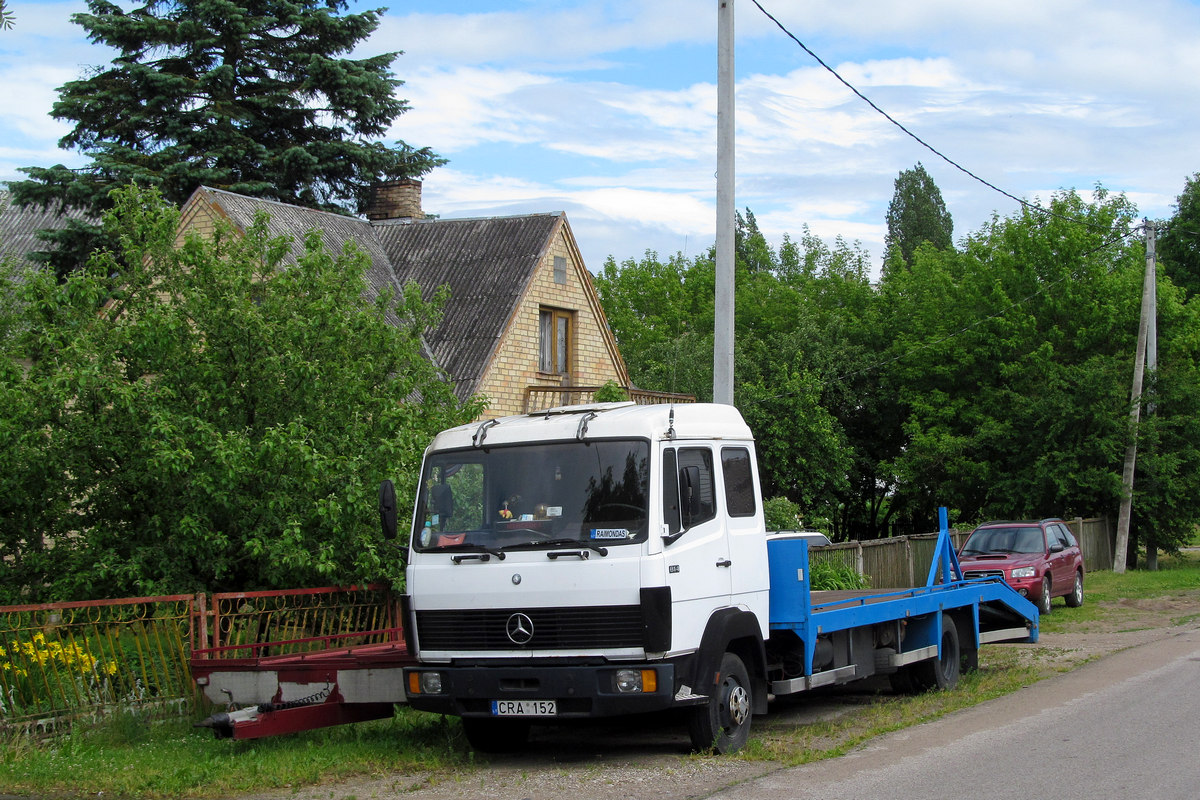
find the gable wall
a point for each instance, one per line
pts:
(198, 216)
(594, 355)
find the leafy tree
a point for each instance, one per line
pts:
(1014, 359)
(1179, 246)
(6, 17)
(216, 418)
(917, 214)
(662, 316)
(254, 96)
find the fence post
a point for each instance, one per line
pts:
(200, 628)
(858, 557)
(908, 555)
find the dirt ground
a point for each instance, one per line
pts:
(611, 762)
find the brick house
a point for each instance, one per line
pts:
(523, 325)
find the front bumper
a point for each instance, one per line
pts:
(579, 691)
(1030, 588)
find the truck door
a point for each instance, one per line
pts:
(747, 531)
(696, 548)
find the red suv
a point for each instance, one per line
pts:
(1040, 559)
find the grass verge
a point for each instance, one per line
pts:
(129, 757)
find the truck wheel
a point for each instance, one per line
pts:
(496, 735)
(941, 672)
(722, 724)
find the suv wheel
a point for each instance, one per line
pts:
(1075, 598)
(1044, 603)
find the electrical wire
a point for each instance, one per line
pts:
(915, 137)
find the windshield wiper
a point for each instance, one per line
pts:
(480, 551)
(558, 544)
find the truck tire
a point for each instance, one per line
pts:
(941, 672)
(489, 735)
(722, 725)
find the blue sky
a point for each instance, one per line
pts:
(607, 110)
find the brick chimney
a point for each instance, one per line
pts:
(399, 199)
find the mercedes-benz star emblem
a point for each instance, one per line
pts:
(519, 628)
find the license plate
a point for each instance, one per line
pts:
(524, 708)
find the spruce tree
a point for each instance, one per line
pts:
(917, 214)
(253, 96)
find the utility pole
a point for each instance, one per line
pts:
(1139, 362)
(723, 311)
(1152, 362)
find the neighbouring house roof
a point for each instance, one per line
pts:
(19, 226)
(487, 263)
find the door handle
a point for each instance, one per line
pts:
(724, 563)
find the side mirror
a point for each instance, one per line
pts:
(689, 488)
(387, 509)
(1057, 547)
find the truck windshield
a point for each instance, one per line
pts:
(593, 492)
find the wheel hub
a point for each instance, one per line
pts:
(739, 705)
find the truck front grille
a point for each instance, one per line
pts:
(538, 629)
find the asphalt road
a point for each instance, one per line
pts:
(1123, 728)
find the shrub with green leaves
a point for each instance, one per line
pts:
(830, 575)
(213, 414)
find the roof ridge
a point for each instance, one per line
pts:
(307, 209)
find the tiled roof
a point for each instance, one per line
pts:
(296, 221)
(487, 263)
(19, 226)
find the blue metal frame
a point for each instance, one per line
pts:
(792, 609)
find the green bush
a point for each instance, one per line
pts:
(610, 392)
(829, 575)
(781, 514)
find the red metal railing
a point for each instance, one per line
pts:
(71, 660)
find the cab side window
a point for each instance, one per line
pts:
(739, 481)
(689, 493)
(705, 490)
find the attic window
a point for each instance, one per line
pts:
(554, 347)
(560, 269)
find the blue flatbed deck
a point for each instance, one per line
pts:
(986, 610)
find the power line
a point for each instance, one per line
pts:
(915, 137)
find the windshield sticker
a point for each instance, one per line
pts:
(553, 511)
(610, 533)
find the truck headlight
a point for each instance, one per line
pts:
(1024, 572)
(631, 681)
(424, 683)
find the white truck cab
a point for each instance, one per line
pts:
(586, 561)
